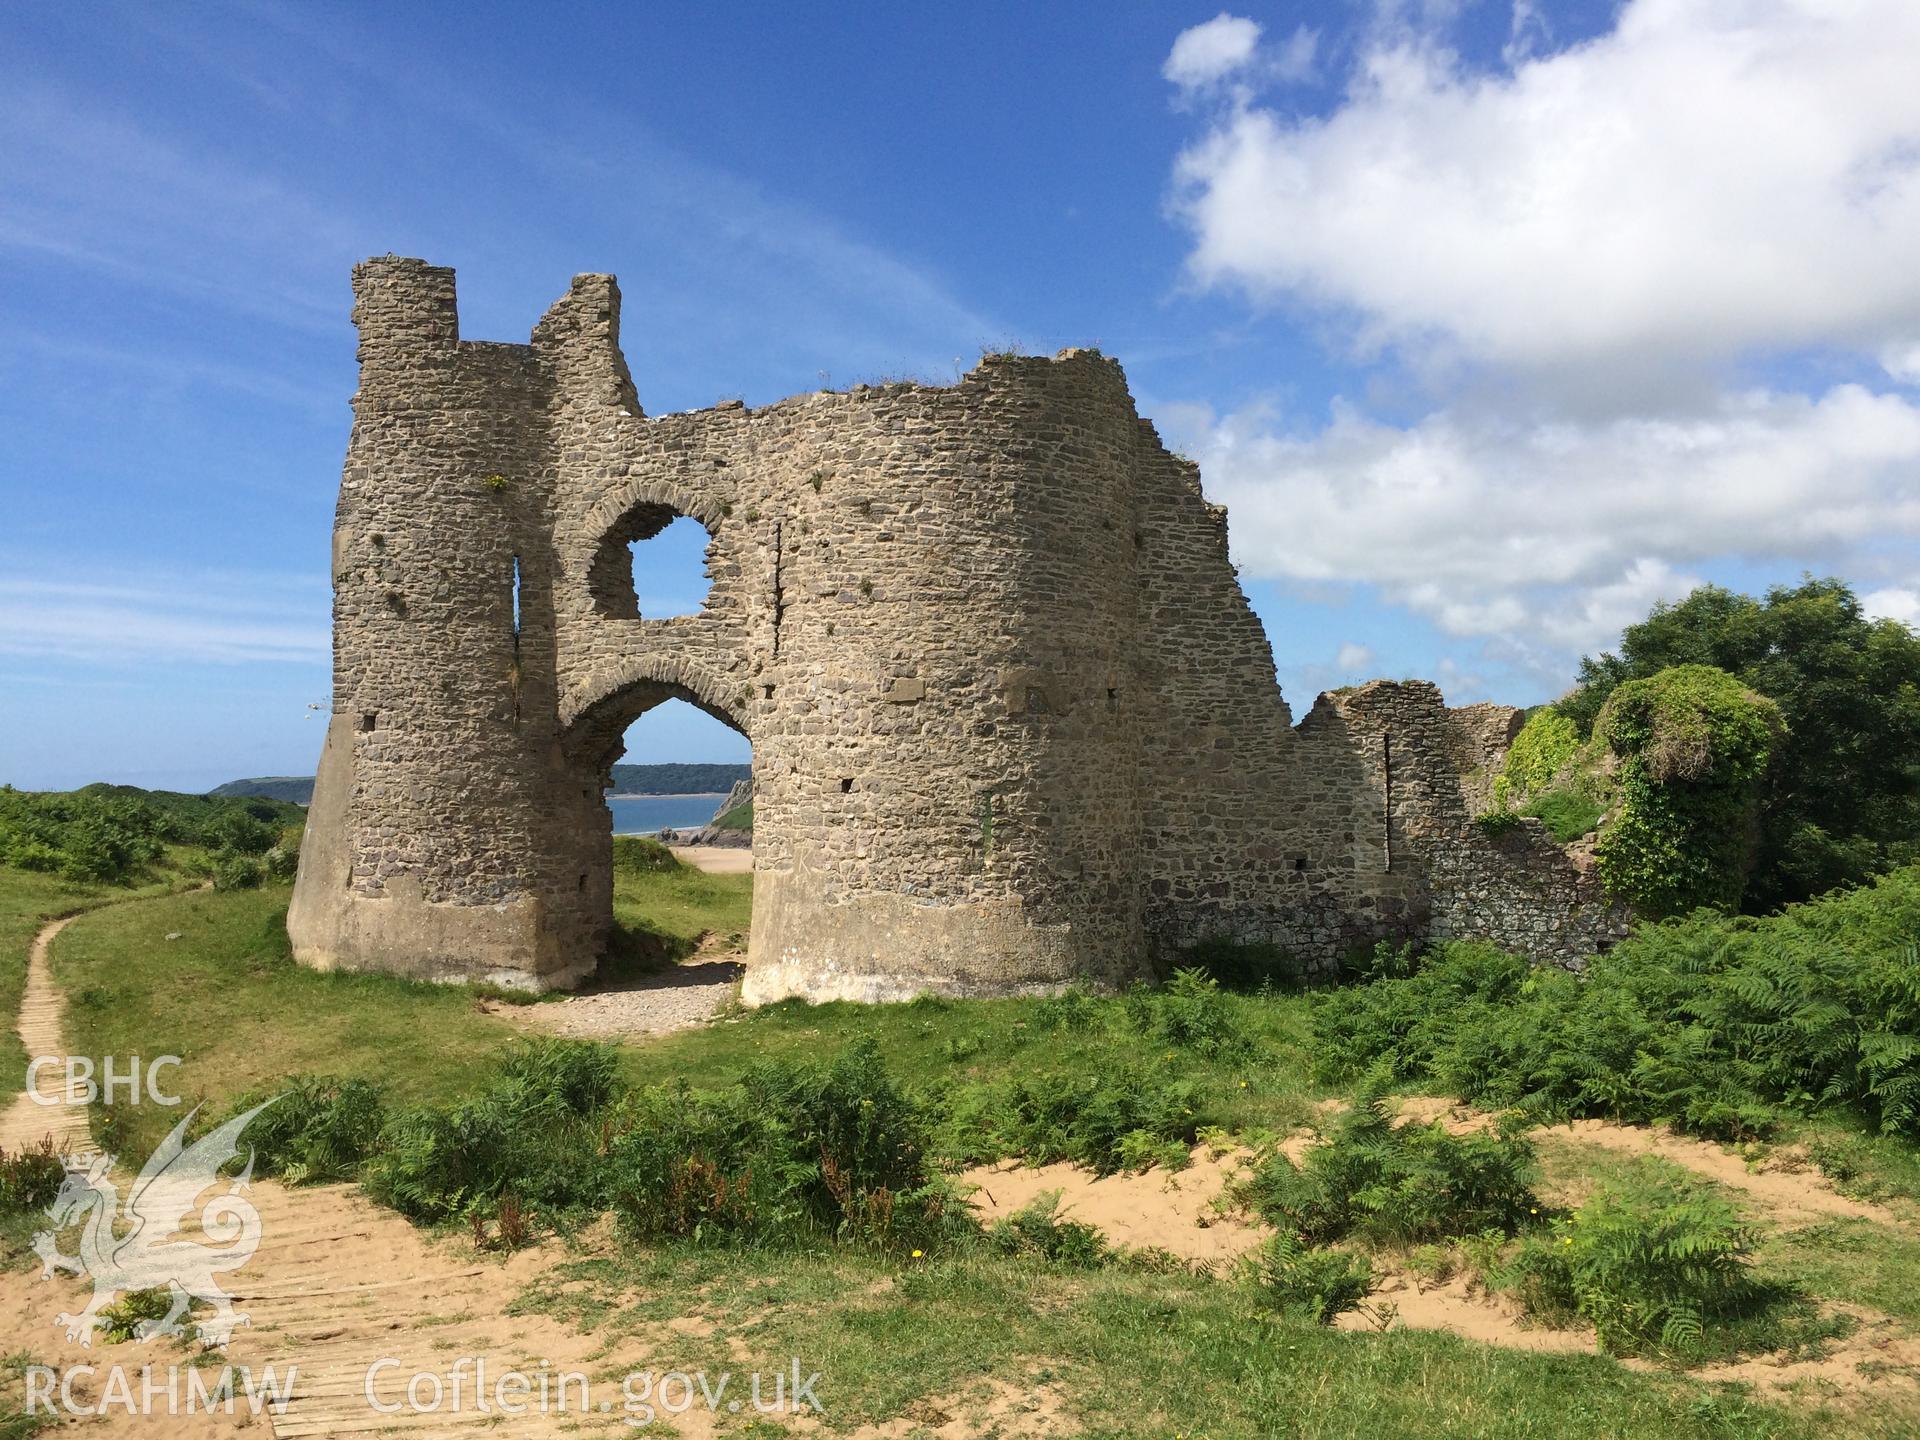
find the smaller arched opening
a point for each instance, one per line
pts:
(654, 564)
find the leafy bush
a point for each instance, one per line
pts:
(577, 1076)
(794, 1153)
(318, 1127)
(532, 1134)
(1708, 1022)
(1693, 744)
(109, 833)
(1406, 1011)
(1073, 1011)
(1397, 1184)
(1324, 1284)
(1190, 1013)
(1841, 802)
(234, 871)
(1093, 1119)
(642, 855)
(1651, 1260)
(1036, 1230)
(30, 1178)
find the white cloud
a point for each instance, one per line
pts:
(1900, 603)
(1902, 361)
(1353, 658)
(1554, 534)
(1205, 57)
(1207, 54)
(1711, 177)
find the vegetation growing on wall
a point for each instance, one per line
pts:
(1692, 745)
(1544, 746)
(1841, 802)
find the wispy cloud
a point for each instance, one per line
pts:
(200, 618)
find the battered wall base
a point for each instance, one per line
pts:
(887, 948)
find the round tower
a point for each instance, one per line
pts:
(945, 743)
(426, 847)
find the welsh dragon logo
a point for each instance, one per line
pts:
(144, 1246)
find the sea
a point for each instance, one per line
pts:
(648, 814)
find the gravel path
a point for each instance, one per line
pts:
(685, 996)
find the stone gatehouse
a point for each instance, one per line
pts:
(1013, 722)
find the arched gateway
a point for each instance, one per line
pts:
(1013, 723)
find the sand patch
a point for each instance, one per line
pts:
(1169, 1210)
(716, 859)
(1784, 1187)
(1460, 1307)
(992, 1408)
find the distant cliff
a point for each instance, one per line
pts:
(670, 779)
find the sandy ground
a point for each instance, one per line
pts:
(716, 859)
(1785, 1187)
(1187, 1214)
(1172, 1211)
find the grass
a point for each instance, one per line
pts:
(28, 900)
(231, 1002)
(676, 907)
(1130, 1351)
(1127, 1353)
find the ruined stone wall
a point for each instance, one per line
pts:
(1013, 722)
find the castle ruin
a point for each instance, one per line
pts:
(1013, 722)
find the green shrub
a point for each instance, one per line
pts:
(1323, 1284)
(642, 855)
(1407, 1009)
(1693, 744)
(1397, 1184)
(282, 862)
(1710, 1023)
(436, 1164)
(30, 1178)
(533, 1134)
(1036, 1230)
(1190, 1012)
(575, 1075)
(1097, 1120)
(318, 1127)
(794, 1154)
(1072, 1011)
(110, 833)
(1841, 801)
(235, 871)
(1652, 1261)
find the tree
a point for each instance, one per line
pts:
(1841, 800)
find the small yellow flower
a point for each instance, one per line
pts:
(916, 1254)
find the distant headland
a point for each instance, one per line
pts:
(676, 778)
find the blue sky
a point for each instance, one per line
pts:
(1493, 322)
